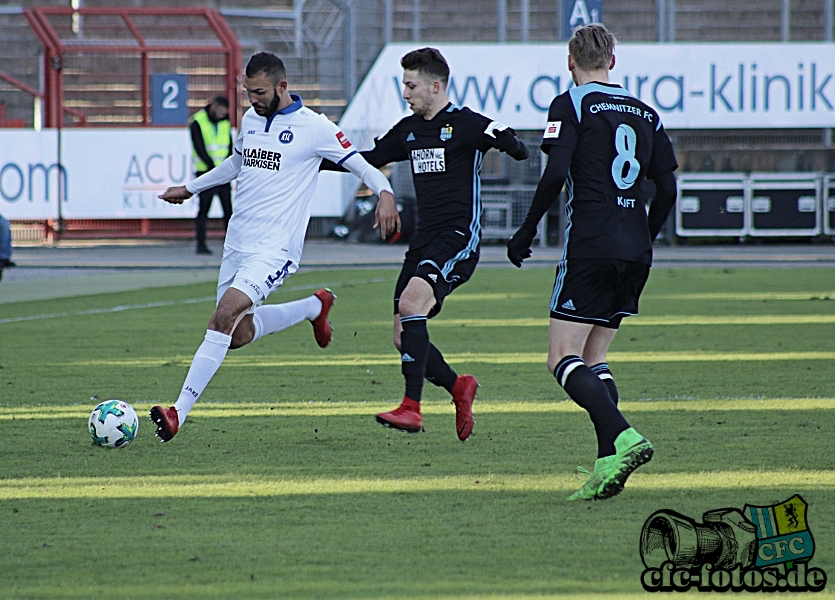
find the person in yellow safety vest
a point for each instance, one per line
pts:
(211, 139)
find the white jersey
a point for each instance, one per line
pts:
(279, 161)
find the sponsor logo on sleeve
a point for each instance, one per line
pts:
(428, 160)
(343, 141)
(552, 129)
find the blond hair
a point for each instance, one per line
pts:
(592, 47)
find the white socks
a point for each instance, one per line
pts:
(277, 317)
(206, 362)
(210, 354)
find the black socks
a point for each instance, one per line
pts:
(589, 392)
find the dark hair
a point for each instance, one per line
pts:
(592, 47)
(221, 101)
(427, 62)
(269, 63)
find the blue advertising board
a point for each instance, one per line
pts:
(576, 13)
(169, 99)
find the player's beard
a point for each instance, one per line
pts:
(272, 106)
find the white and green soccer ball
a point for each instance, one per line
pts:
(113, 424)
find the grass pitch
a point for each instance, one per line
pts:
(282, 485)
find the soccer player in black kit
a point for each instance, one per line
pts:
(445, 145)
(602, 143)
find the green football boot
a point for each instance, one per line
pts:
(592, 486)
(631, 451)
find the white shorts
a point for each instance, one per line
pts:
(256, 275)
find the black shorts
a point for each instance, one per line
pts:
(597, 291)
(444, 263)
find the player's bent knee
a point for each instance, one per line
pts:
(416, 306)
(407, 307)
(417, 299)
(238, 342)
(222, 321)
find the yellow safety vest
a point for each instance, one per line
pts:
(216, 138)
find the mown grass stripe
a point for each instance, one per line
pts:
(190, 486)
(161, 304)
(429, 589)
(744, 296)
(656, 321)
(732, 320)
(429, 407)
(797, 295)
(452, 358)
(109, 309)
(489, 296)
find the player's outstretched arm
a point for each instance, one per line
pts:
(223, 173)
(387, 149)
(661, 205)
(176, 194)
(548, 189)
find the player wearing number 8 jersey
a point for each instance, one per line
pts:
(602, 144)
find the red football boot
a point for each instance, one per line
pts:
(167, 422)
(322, 329)
(405, 417)
(463, 394)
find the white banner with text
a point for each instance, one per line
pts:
(693, 86)
(111, 174)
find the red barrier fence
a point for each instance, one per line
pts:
(96, 71)
(98, 61)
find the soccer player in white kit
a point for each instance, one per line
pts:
(276, 162)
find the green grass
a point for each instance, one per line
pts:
(281, 484)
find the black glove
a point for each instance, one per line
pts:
(519, 246)
(506, 141)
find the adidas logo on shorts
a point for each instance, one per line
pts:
(568, 305)
(406, 358)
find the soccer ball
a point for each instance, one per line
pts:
(113, 424)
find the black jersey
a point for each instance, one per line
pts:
(617, 141)
(445, 154)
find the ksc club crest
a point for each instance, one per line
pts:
(782, 533)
